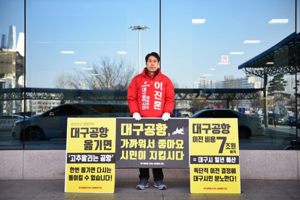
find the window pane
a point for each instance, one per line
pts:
(75, 50)
(224, 49)
(11, 70)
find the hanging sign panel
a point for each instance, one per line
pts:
(90, 155)
(152, 143)
(214, 156)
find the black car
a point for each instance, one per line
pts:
(287, 120)
(53, 123)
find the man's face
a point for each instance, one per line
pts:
(152, 64)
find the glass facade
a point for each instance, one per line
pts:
(78, 58)
(11, 70)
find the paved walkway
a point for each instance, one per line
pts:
(284, 128)
(178, 189)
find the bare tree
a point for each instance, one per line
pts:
(198, 104)
(175, 84)
(256, 103)
(67, 81)
(104, 75)
(234, 104)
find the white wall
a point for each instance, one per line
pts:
(50, 164)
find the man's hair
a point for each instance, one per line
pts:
(152, 54)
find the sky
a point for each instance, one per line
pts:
(95, 29)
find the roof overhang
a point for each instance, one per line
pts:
(279, 59)
(121, 95)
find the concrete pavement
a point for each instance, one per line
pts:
(178, 189)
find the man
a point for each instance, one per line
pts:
(151, 94)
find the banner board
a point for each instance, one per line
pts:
(214, 156)
(90, 155)
(152, 143)
(96, 146)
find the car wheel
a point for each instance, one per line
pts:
(244, 132)
(34, 133)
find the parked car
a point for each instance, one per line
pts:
(260, 116)
(7, 121)
(298, 123)
(184, 115)
(287, 120)
(248, 126)
(273, 117)
(53, 123)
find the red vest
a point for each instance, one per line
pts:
(150, 97)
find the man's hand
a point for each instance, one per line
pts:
(137, 116)
(166, 116)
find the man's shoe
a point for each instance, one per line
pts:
(142, 184)
(160, 185)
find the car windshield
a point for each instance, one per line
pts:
(90, 109)
(215, 114)
(106, 110)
